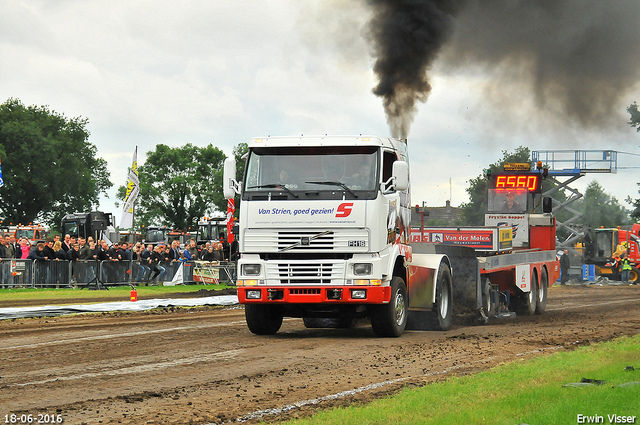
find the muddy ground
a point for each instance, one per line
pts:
(203, 366)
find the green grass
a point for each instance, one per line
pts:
(117, 293)
(529, 392)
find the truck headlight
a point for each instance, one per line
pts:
(359, 294)
(253, 294)
(250, 269)
(362, 269)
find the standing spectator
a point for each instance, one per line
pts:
(209, 255)
(4, 254)
(192, 249)
(126, 255)
(564, 267)
(74, 253)
(143, 268)
(94, 250)
(174, 255)
(36, 253)
(59, 270)
(66, 245)
(49, 253)
(85, 253)
(234, 251)
(16, 245)
(104, 257)
(58, 252)
(626, 267)
(156, 258)
(225, 248)
(9, 246)
(39, 270)
(24, 249)
(117, 254)
(3, 249)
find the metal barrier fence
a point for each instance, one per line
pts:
(54, 273)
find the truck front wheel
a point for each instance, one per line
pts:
(390, 319)
(263, 319)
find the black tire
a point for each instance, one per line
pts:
(390, 320)
(263, 319)
(439, 318)
(526, 301)
(489, 304)
(541, 305)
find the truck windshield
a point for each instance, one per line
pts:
(317, 168)
(25, 233)
(155, 236)
(513, 201)
(70, 228)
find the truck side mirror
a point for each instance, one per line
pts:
(229, 184)
(547, 204)
(400, 174)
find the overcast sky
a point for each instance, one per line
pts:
(221, 72)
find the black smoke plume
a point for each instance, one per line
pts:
(576, 58)
(407, 35)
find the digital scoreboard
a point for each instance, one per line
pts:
(530, 182)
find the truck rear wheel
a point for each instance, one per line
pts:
(526, 302)
(489, 303)
(391, 319)
(263, 319)
(439, 318)
(541, 305)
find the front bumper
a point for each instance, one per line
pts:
(315, 294)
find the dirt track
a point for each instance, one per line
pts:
(204, 366)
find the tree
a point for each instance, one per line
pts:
(635, 116)
(473, 211)
(178, 186)
(635, 213)
(635, 122)
(600, 209)
(49, 167)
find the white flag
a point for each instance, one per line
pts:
(133, 187)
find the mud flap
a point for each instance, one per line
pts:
(467, 288)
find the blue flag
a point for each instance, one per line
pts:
(1, 180)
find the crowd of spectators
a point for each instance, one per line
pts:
(152, 261)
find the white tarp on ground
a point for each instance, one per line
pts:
(52, 310)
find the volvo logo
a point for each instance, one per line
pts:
(304, 241)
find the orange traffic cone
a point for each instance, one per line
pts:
(134, 294)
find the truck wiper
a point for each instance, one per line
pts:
(342, 185)
(274, 186)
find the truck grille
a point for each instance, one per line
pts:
(299, 241)
(304, 272)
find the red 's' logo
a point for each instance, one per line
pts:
(344, 209)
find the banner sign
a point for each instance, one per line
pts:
(266, 214)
